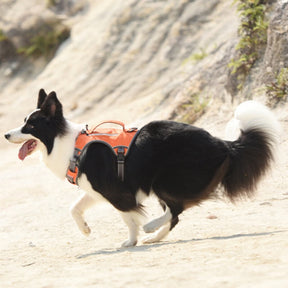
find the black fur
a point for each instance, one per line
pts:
(47, 122)
(41, 98)
(250, 157)
(181, 164)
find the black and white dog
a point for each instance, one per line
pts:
(181, 164)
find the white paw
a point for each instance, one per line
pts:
(129, 243)
(150, 227)
(149, 239)
(157, 236)
(85, 229)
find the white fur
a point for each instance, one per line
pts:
(27, 117)
(140, 197)
(131, 219)
(91, 197)
(155, 224)
(248, 115)
(158, 235)
(77, 211)
(58, 160)
(252, 114)
(87, 200)
(86, 186)
(17, 137)
(232, 131)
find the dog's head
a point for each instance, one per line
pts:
(40, 127)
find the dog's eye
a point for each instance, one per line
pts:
(29, 126)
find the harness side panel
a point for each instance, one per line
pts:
(117, 140)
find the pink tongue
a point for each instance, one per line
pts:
(23, 152)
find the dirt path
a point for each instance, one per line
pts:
(215, 245)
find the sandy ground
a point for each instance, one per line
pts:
(215, 245)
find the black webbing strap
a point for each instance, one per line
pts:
(120, 161)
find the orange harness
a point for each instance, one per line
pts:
(118, 140)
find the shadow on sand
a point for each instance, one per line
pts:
(148, 247)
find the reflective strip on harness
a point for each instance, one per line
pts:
(118, 140)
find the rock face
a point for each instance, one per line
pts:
(276, 54)
(137, 60)
(273, 56)
(7, 50)
(132, 59)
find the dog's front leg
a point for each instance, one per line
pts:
(77, 211)
(131, 221)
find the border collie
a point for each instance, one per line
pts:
(181, 164)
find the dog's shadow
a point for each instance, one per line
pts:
(148, 247)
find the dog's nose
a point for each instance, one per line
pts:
(7, 136)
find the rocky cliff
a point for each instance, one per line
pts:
(135, 60)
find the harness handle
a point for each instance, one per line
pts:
(111, 122)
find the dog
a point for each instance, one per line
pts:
(179, 163)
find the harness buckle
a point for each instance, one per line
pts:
(74, 161)
(70, 179)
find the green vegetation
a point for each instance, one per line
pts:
(196, 57)
(278, 90)
(192, 109)
(51, 3)
(2, 36)
(45, 43)
(253, 34)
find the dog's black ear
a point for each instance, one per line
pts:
(41, 98)
(52, 106)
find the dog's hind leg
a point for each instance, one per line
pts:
(77, 211)
(155, 224)
(158, 235)
(171, 213)
(132, 220)
(161, 232)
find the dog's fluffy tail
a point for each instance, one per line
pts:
(252, 153)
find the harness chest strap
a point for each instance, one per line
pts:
(118, 140)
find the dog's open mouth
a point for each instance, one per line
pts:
(27, 148)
